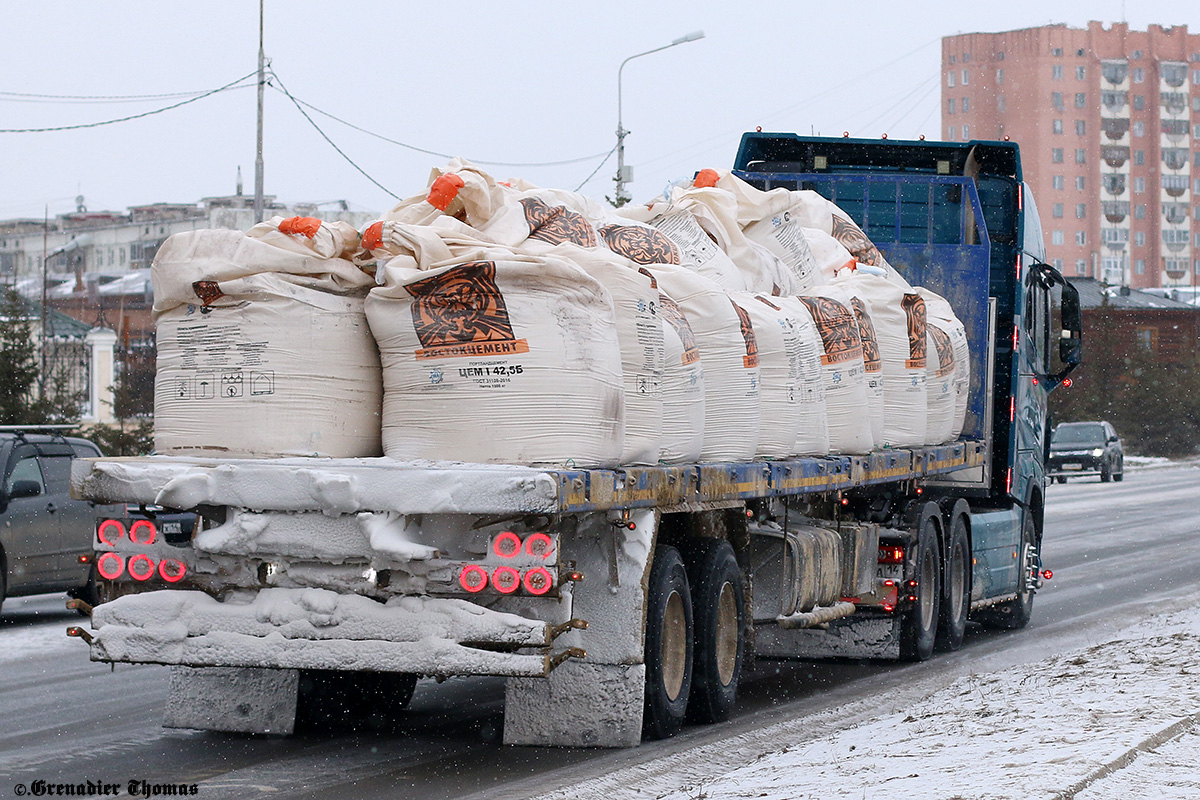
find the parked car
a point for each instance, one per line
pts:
(1085, 448)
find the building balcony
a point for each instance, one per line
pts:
(1176, 213)
(1114, 155)
(1115, 72)
(1174, 129)
(1115, 128)
(1115, 210)
(1114, 184)
(1173, 73)
(1113, 100)
(1175, 185)
(1173, 102)
(1175, 158)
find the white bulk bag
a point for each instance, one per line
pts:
(511, 360)
(683, 384)
(729, 352)
(844, 292)
(900, 324)
(939, 384)
(848, 413)
(635, 300)
(789, 372)
(263, 344)
(940, 313)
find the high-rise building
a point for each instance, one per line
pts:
(1108, 120)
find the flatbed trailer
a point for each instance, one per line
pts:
(621, 602)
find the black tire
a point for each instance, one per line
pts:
(668, 646)
(956, 583)
(719, 618)
(352, 700)
(918, 626)
(1015, 613)
(3, 579)
(1120, 476)
(88, 593)
(1105, 472)
(1062, 478)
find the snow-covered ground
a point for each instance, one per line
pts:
(1119, 719)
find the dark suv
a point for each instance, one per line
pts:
(1086, 448)
(45, 535)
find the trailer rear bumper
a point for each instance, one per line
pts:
(321, 629)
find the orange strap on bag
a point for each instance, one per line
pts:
(444, 190)
(706, 178)
(300, 226)
(373, 236)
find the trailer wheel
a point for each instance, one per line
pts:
(1015, 613)
(956, 599)
(918, 627)
(719, 613)
(668, 646)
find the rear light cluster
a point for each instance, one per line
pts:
(138, 566)
(520, 566)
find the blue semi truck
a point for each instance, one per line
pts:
(622, 603)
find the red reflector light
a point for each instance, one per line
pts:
(1067, 383)
(537, 581)
(505, 580)
(891, 554)
(171, 570)
(539, 545)
(141, 567)
(110, 566)
(143, 532)
(110, 532)
(507, 545)
(473, 578)
(1047, 574)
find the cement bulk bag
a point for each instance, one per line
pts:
(939, 384)
(510, 360)
(899, 318)
(635, 299)
(940, 314)
(729, 351)
(844, 292)
(683, 384)
(789, 371)
(263, 344)
(843, 374)
(698, 251)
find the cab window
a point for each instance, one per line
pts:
(26, 469)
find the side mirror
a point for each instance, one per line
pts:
(24, 489)
(1070, 338)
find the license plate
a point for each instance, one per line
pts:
(889, 571)
(172, 527)
(1072, 466)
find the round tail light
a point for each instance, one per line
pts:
(141, 567)
(539, 545)
(110, 532)
(171, 570)
(473, 578)
(507, 545)
(506, 580)
(143, 532)
(110, 566)
(537, 581)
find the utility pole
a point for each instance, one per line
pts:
(258, 159)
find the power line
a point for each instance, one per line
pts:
(414, 148)
(69, 99)
(597, 169)
(227, 86)
(325, 136)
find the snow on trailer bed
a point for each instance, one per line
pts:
(343, 486)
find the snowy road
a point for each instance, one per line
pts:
(65, 719)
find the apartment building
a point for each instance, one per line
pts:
(1108, 120)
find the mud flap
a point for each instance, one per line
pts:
(579, 705)
(235, 699)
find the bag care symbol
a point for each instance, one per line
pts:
(231, 384)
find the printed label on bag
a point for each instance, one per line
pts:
(837, 328)
(461, 313)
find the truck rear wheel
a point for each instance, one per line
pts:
(719, 613)
(918, 627)
(956, 599)
(668, 646)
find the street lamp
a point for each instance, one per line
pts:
(624, 173)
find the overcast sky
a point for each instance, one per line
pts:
(517, 82)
